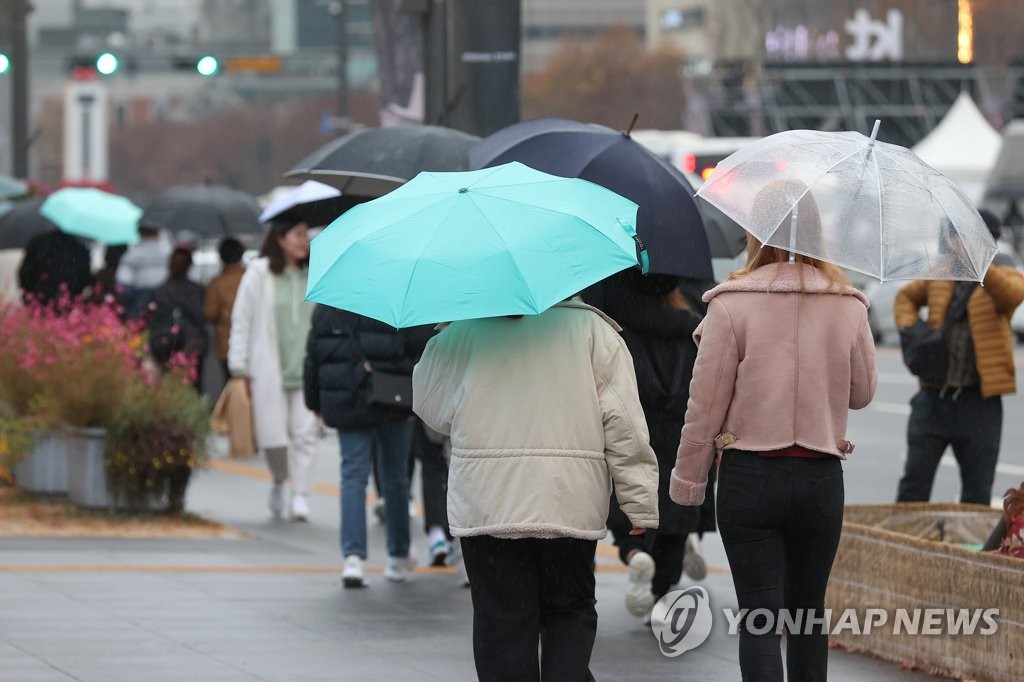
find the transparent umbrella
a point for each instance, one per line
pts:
(850, 200)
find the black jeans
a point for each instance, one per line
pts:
(971, 424)
(529, 592)
(434, 478)
(666, 550)
(780, 519)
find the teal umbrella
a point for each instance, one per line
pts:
(507, 240)
(93, 214)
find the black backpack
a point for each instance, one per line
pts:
(924, 347)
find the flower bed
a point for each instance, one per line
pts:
(77, 368)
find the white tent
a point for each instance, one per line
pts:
(963, 147)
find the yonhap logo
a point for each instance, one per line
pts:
(681, 620)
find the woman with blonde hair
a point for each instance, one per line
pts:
(784, 352)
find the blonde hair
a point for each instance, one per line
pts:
(777, 196)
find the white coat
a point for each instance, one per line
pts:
(543, 414)
(252, 352)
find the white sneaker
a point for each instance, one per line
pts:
(639, 598)
(276, 501)
(693, 561)
(397, 569)
(352, 576)
(300, 508)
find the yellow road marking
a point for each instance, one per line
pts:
(265, 570)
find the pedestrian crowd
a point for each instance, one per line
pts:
(616, 409)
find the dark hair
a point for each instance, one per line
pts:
(272, 251)
(230, 250)
(112, 255)
(180, 263)
(147, 229)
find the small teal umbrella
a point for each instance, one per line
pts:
(93, 214)
(507, 240)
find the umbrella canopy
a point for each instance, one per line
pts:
(93, 214)
(11, 188)
(847, 199)
(312, 202)
(373, 161)
(207, 210)
(668, 220)
(451, 246)
(20, 221)
(726, 238)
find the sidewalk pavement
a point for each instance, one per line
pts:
(271, 607)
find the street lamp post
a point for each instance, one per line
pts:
(337, 10)
(19, 10)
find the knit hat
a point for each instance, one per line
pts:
(992, 222)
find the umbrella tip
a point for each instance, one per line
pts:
(463, 190)
(874, 132)
(632, 123)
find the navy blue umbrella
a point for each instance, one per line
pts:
(668, 221)
(20, 221)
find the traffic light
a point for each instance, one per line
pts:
(5, 63)
(85, 66)
(207, 66)
(107, 63)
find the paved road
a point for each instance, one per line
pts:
(879, 432)
(271, 607)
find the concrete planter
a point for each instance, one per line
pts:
(88, 485)
(87, 471)
(45, 469)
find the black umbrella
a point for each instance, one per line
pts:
(725, 236)
(373, 161)
(668, 221)
(20, 222)
(206, 210)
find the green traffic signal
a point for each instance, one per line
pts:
(5, 63)
(207, 66)
(106, 63)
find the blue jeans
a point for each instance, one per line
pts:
(393, 441)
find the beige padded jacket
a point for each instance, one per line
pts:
(543, 414)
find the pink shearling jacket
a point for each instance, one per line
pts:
(782, 356)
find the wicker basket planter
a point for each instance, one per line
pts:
(907, 556)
